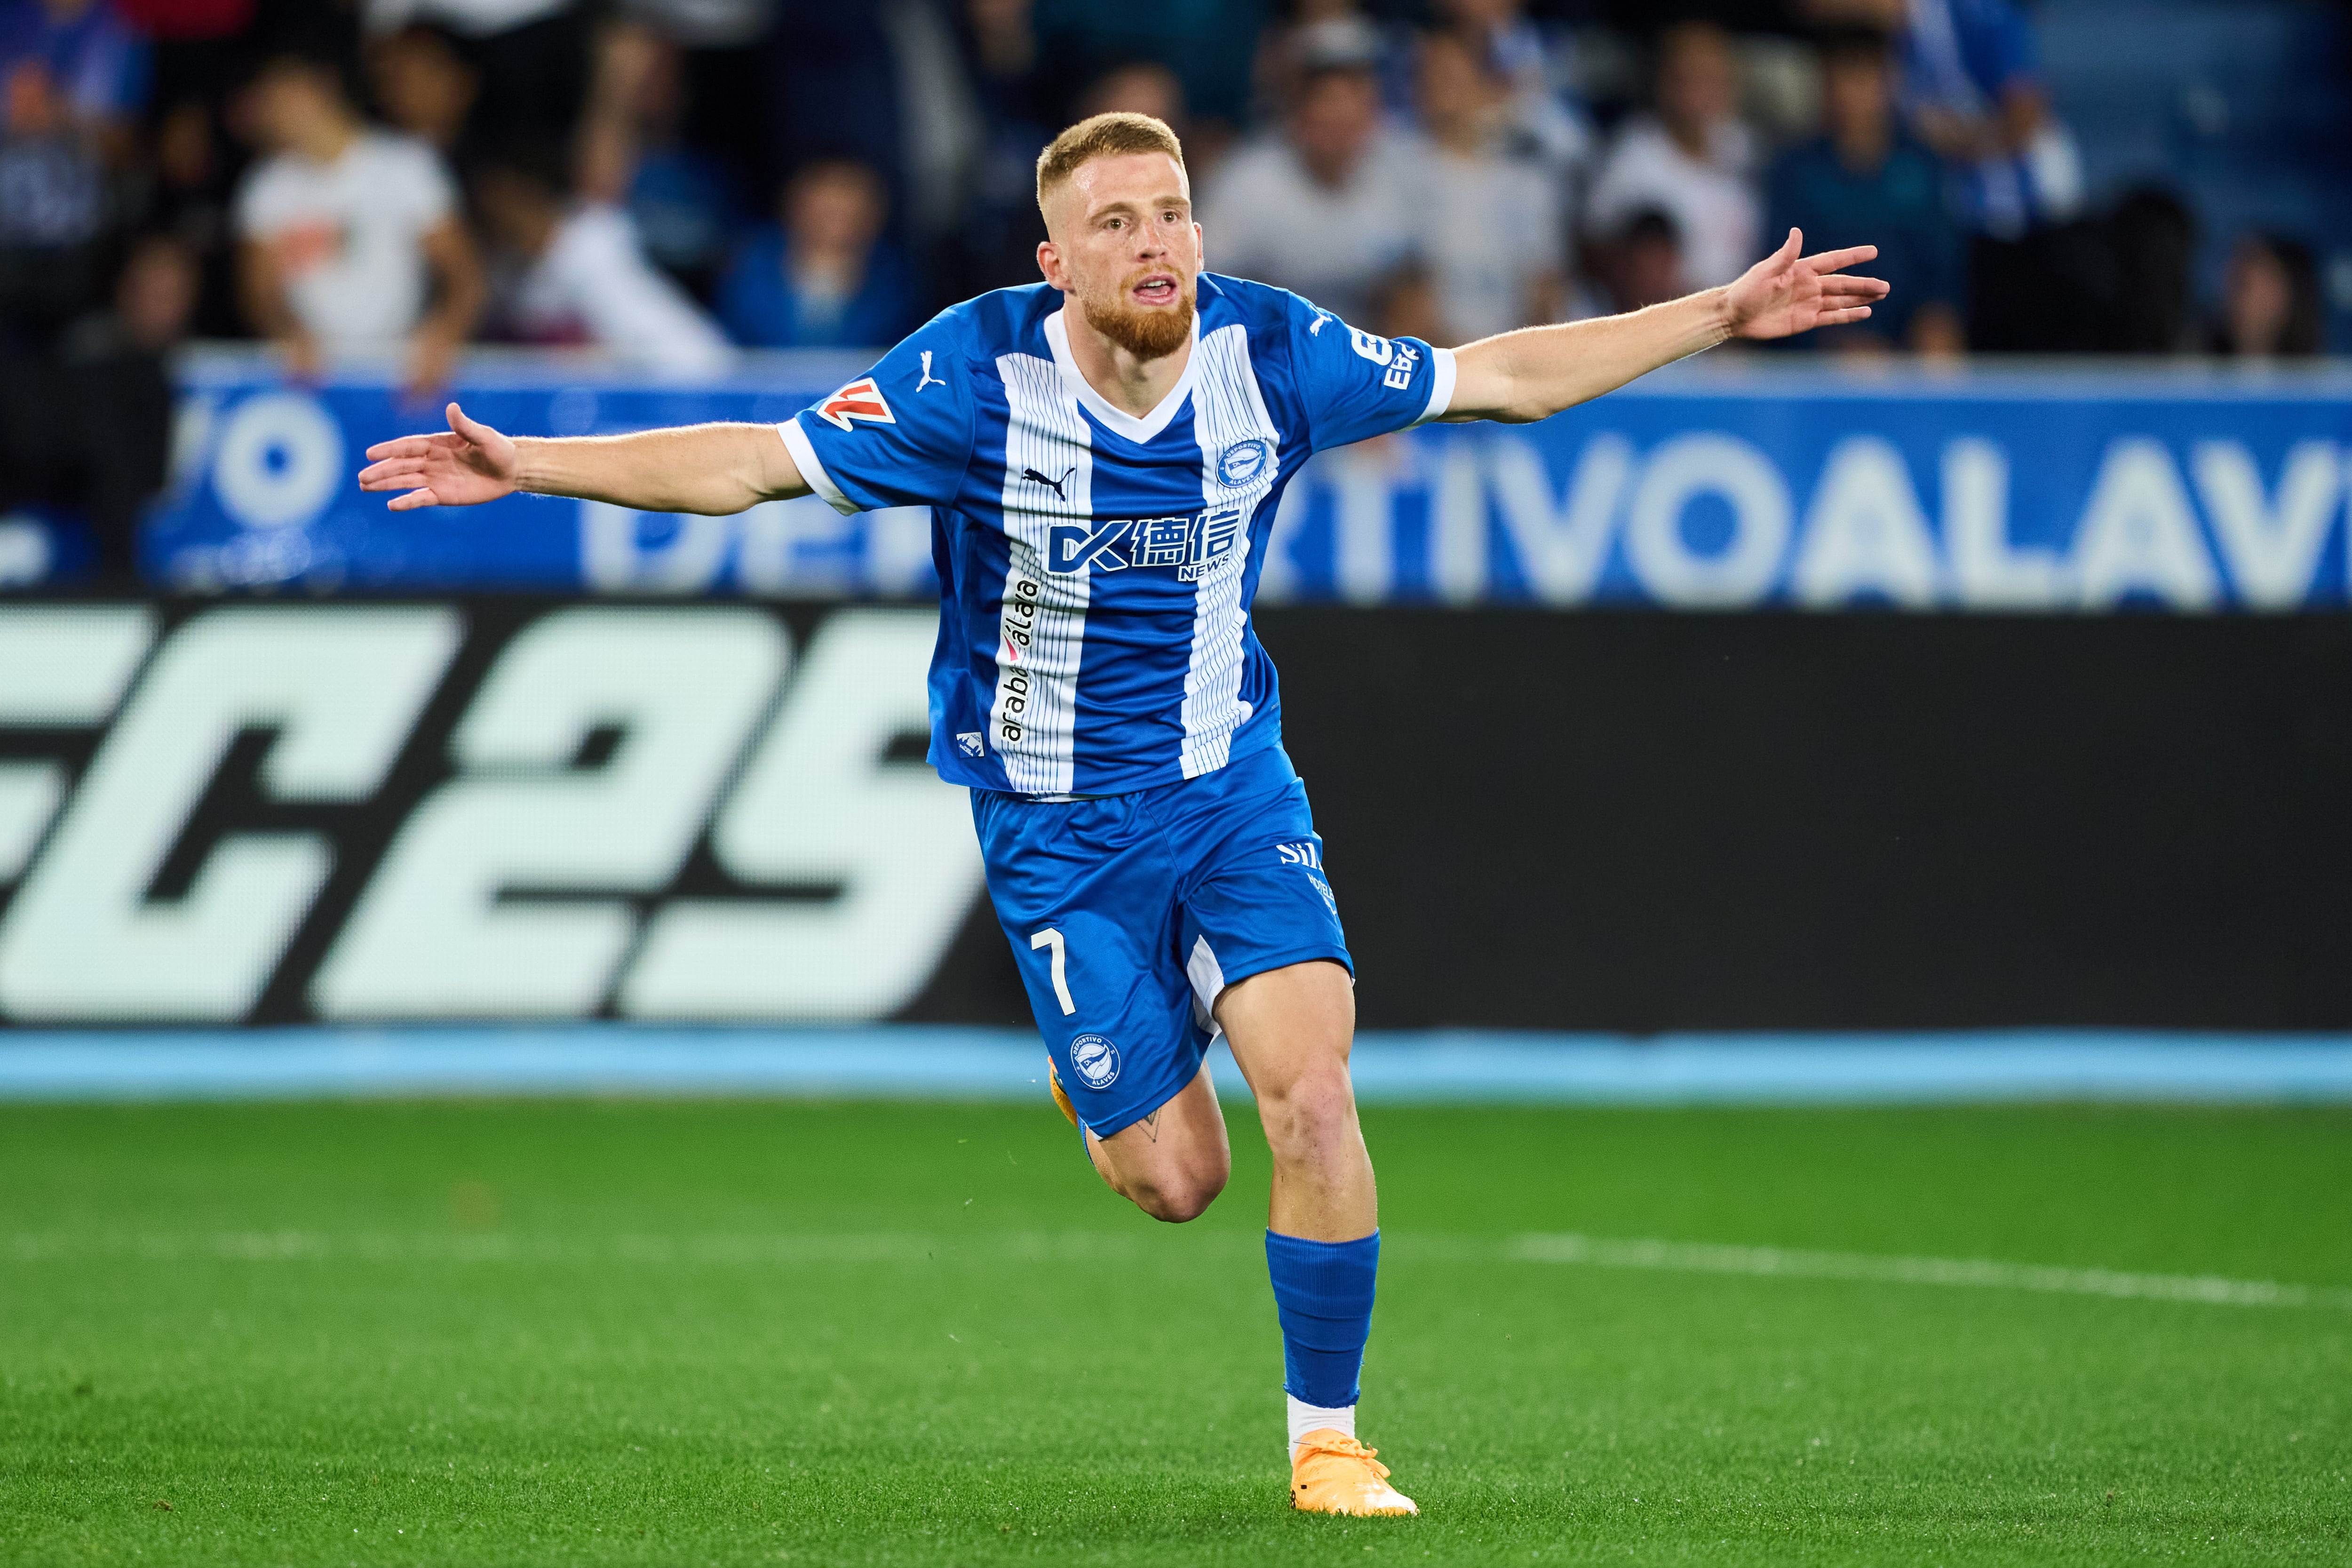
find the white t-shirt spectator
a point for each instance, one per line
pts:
(1489, 227)
(348, 236)
(1266, 218)
(593, 284)
(1712, 200)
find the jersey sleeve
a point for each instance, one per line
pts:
(1355, 385)
(901, 434)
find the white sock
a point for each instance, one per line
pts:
(1306, 1418)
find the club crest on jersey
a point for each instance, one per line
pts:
(1243, 462)
(861, 399)
(1196, 546)
(1094, 1059)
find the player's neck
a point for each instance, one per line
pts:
(1129, 384)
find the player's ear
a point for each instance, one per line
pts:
(1049, 262)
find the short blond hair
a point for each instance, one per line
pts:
(1113, 135)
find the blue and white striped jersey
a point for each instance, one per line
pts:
(1096, 569)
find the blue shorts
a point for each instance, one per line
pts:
(1129, 913)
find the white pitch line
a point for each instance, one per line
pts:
(808, 1248)
(1775, 1262)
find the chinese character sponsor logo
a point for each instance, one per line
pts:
(1195, 547)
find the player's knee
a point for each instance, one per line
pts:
(1182, 1187)
(1309, 1108)
(1178, 1196)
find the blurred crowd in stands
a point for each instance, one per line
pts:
(669, 179)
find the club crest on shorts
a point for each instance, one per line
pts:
(1243, 462)
(1094, 1059)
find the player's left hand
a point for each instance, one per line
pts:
(1787, 292)
(467, 465)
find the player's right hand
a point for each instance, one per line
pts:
(469, 465)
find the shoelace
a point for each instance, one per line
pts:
(1345, 1449)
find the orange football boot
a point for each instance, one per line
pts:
(1331, 1472)
(1061, 1095)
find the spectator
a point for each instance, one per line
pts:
(1490, 226)
(1541, 115)
(704, 23)
(706, 114)
(98, 69)
(1973, 90)
(88, 432)
(1646, 262)
(1692, 159)
(424, 86)
(833, 92)
(825, 277)
(194, 43)
(201, 49)
(1301, 26)
(574, 273)
(533, 56)
(1405, 305)
(1865, 182)
(633, 153)
(994, 242)
(2151, 237)
(120, 388)
(1139, 87)
(2270, 300)
(1205, 42)
(54, 205)
(188, 196)
(348, 235)
(1275, 208)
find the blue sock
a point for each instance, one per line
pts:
(1323, 1293)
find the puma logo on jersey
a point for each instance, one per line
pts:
(928, 379)
(861, 399)
(1054, 485)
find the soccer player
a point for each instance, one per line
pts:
(1102, 455)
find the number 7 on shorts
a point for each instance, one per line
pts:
(1051, 938)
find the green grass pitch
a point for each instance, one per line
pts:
(682, 1333)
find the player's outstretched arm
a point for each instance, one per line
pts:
(1535, 372)
(709, 468)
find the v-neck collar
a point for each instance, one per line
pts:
(1115, 418)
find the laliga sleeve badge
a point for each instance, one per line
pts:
(861, 399)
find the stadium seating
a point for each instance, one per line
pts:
(2243, 106)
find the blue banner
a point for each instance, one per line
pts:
(1726, 483)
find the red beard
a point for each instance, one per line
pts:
(1147, 334)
